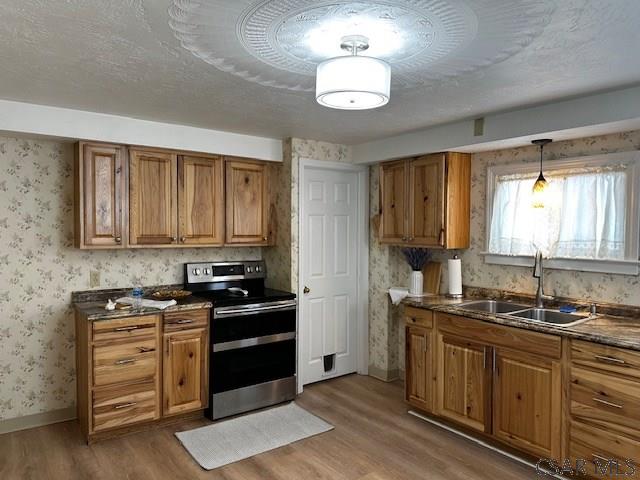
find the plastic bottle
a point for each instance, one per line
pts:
(137, 298)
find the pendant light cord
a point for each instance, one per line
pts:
(541, 149)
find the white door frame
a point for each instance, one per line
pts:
(362, 323)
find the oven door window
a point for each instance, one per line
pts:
(228, 329)
(242, 367)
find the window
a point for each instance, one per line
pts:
(590, 221)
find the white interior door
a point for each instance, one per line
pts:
(329, 273)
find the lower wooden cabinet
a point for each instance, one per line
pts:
(527, 402)
(185, 370)
(137, 370)
(463, 382)
(564, 400)
(418, 391)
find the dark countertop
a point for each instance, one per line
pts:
(607, 329)
(91, 303)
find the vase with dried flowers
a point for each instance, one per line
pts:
(416, 258)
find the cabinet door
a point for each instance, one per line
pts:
(152, 198)
(426, 200)
(393, 202)
(527, 402)
(247, 202)
(103, 186)
(418, 367)
(464, 382)
(185, 371)
(200, 201)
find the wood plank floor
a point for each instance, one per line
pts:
(374, 439)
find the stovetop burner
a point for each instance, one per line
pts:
(225, 283)
(223, 298)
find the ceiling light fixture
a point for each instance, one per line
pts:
(353, 82)
(541, 185)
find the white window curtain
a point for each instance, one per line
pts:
(584, 217)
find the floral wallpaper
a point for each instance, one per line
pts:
(284, 255)
(40, 268)
(623, 289)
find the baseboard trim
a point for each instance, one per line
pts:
(382, 374)
(37, 420)
(486, 445)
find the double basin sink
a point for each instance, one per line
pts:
(526, 312)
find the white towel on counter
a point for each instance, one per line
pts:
(160, 305)
(398, 294)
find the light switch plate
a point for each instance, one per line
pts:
(94, 278)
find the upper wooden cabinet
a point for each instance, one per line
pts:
(200, 200)
(393, 202)
(100, 196)
(152, 198)
(425, 201)
(247, 202)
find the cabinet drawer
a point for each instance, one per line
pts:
(603, 357)
(125, 328)
(119, 406)
(418, 316)
(595, 445)
(612, 403)
(187, 319)
(136, 360)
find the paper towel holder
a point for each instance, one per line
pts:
(454, 295)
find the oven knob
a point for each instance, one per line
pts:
(207, 271)
(196, 271)
(258, 269)
(249, 270)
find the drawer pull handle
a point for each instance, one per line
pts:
(125, 361)
(607, 359)
(125, 405)
(184, 321)
(146, 349)
(125, 329)
(607, 403)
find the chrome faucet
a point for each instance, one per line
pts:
(538, 272)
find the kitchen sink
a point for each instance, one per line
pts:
(553, 317)
(492, 306)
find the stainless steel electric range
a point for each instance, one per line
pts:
(253, 336)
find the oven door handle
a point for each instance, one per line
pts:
(252, 342)
(251, 310)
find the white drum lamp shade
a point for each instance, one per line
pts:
(353, 83)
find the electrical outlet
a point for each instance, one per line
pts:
(94, 278)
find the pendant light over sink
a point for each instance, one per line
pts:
(541, 186)
(353, 82)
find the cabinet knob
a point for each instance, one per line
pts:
(118, 239)
(183, 239)
(264, 239)
(306, 289)
(174, 239)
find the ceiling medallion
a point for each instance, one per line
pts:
(279, 43)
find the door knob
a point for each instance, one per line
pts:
(306, 289)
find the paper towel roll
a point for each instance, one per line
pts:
(455, 276)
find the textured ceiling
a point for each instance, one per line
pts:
(122, 57)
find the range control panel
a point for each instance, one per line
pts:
(206, 272)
